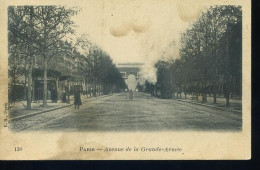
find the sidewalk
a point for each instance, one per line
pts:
(19, 111)
(235, 104)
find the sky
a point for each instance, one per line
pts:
(137, 31)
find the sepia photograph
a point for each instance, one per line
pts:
(152, 67)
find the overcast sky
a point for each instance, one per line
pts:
(137, 31)
(134, 31)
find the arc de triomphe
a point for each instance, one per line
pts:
(130, 73)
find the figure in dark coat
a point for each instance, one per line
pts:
(64, 97)
(131, 95)
(77, 100)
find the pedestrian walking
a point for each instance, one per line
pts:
(131, 95)
(64, 97)
(77, 100)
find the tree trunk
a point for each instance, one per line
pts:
(95, 90)
(29, 89)
(232, 87)
(87, 90)
(209, 91)
(227, 100)
(215, 93)
(227, 66)
(173, 92)
(57, 93)
(25, 88)
(227, 93)
(204, 95)
(100, 89)
(68, 100)
(33, 90)
(45, 90)
(13, 89)
(204, 98)
(197, 96)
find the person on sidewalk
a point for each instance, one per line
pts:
(131, 95)
(77, 100)
(64, 97)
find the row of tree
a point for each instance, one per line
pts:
(210, 57)
(102, 73)
(40, 45)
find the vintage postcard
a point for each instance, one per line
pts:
(125, 80)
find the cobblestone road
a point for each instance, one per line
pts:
(144, 113)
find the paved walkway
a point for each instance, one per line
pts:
(235, 104)
(19, 110)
